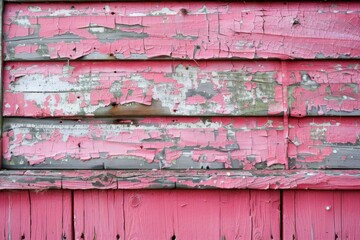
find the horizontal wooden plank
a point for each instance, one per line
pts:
(196, 179)
(323, 88)
(43, 89)
(324, 142)
(191, 30)
(150, 143)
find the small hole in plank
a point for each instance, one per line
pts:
(173, 237)
(207, 167)
(141, 147)
(72, 7)
(23, 237)
(201, 167)
(60, 121)
(79, 145)
(174, 110)
(115, 71)
(78, 97)
(117, 236)
(82, 236)
(183, 11)
(112, 13)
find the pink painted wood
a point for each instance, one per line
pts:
(321, 214)
(181, 214)
(35, 215)
(150, 143)
(319, 88)
(324, 142)
(98, 214)
(43, 89)
(166, 29)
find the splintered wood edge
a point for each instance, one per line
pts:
(187, 179)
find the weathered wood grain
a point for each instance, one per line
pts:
(42, 89)
(324, 142)
(150, 143)
(181, 214)
(190, 179)
(319, 88)
(35, 215)
(99, 214)
(321, 214)
(191, 30)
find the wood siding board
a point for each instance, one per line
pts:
(288, 215)
(318, 88)
(1, 73)
(152, 88)
(188, 179)
(98, 214)
(149, 214)
(324, 142)
(163, 30)
(149, 143)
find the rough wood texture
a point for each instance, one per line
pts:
(42, 89)
(191, 30)
(321, 214)
(324, 143)
(180, 214)
(99, 214)
(35, 215)
(323, 88)
(150, 143)
(144, 179)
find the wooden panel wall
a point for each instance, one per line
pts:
(140, 214)
(199, 107)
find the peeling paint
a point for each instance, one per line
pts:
(231, 30)
(151, 142)
(151, 88)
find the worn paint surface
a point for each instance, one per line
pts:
(319, 88)
(324, 142)
(239, 143)
(142, 88)
(147, 30)
(35, 215)
(321, 214)
(190, 179)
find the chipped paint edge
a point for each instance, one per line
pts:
(185, 179)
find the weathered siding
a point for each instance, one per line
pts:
(191, 30)
(185, 88)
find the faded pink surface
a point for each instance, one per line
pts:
(324, 142)
(42, 89)
(147, 30)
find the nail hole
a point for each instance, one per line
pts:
(111, 55)
(173, 237)
(201, 167)
(141, 147)
(60, 121)
(187, 68)
(115, 71)
(113, 104)
(82, 236)
(72, 7)
(79, 145)
(23, 237)
(207, 167)
(78, 97)
(174, 110)
(112, 13)
(117, 236)
(11, 152)
(183, 11)
(74, 49)
(198, 47)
